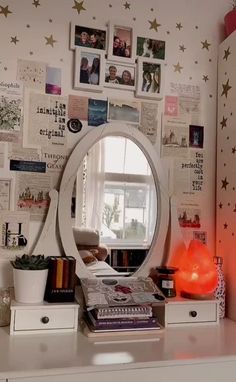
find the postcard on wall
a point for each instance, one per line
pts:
(32, 194)
(174, 136)
(97, 112)
(188, 174)
(53, 80)
(55, 160)
(189, 97)
(11, 110)
(45, 120)
(17, 152)
(32, 74)
(78, 107)
(14, 231)
(171, 106)
(149, 121)
(125, 111)
(189, 217)
(5, 194)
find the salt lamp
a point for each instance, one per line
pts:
(197, 276)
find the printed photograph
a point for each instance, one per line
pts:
(53, 80)
(196, 136)
(150, 78)
(89, 69)
(118, 75)
(97, 112)
(122, 40)
(124, 111)
(189, 217)
(87, 37)
(148, 47)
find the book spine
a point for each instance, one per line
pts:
(127, 325)
(52, 272)
(65, 279)
(59, 277)
(121, 322)
(72, 265)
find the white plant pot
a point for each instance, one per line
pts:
(29, 285)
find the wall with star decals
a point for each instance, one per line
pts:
(39, 30)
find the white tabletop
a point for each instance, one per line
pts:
(47, 354)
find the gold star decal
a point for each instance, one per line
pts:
(223, 122)
(233, 150)
(154, 24)
(50, 40)
(182, 48)
(79, 6)
(220, 205)
(179, 26)
(178, 67)
(4, 11)
(226, 55)
(205, 78)
(205, 44)
(36, 3)
(224, 183)
(14, 40)
(127, 5)
(226, 88)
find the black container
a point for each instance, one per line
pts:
(166, 280)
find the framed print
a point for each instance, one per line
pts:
(89, 69)
(87, 37)
(148, 47)
(150, 78)
(119, 75)
(123, 111)
(120, 43)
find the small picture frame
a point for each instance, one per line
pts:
(86, 37)
(89, 69)
(150, 78)
(119, 75)
(149, 47)
(120, 43)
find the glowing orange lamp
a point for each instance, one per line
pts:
(197, 276)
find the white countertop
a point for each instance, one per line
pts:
(47, 354)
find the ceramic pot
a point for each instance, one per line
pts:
(29, 285)
(230, 22)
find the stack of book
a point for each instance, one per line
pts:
(120, 304)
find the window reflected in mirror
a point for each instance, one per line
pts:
(115, 194)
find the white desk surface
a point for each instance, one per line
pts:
(47, 354)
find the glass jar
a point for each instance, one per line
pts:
(166, 280)
(5, 302)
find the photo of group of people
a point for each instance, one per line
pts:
(119, 75)
(118, 69)
(88, 37)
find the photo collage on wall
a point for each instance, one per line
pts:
(117, 58)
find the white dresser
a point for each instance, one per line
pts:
(180, 354)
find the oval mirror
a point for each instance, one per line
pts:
(121, 203)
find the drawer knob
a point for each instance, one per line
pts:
(193, 313)
(45, 320)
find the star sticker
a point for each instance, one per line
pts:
(205, 78)
(223, 122)
(220, 205)
(127, 5)
(182, 48)
(36, 3)
(233, 150)
(226, 88)
(224, 183)
(50, 40)
(154, 24)
(79, 6)
(225, 226)
(178, 67)
(205, 44)
(4, 11)
(14, 40)
(234, 208)
(227, 53)
(179, 26)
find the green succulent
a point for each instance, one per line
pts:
(33, 262)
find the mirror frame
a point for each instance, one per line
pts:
(156, 252)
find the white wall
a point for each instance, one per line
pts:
(200, 21)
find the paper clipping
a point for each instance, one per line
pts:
(5, 189)
(148, 123)
(14, 229)
(175, 136)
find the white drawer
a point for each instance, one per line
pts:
(191, 312)
(40, 318)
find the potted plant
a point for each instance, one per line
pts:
(230, 20)
(30, 277)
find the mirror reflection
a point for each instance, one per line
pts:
(115, 205)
